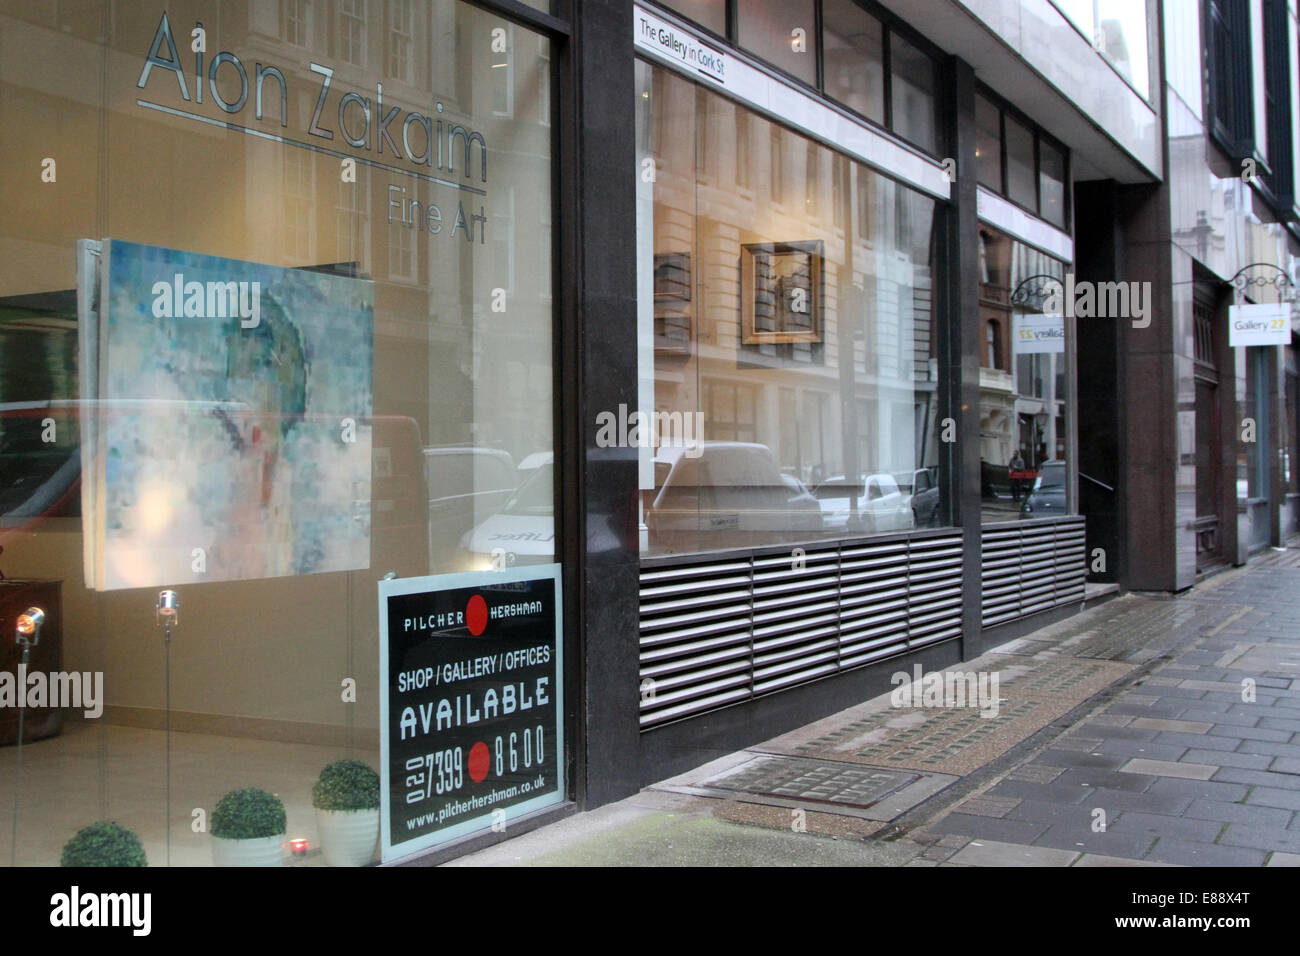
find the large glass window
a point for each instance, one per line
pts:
(263, 352)
(788, 335)
(1023, 406)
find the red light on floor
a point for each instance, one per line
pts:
(298, 847)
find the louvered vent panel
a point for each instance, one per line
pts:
(716, 633)
(1031, 567)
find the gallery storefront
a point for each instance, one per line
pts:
(277, 322)
(525, 404)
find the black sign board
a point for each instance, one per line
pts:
(471, 703)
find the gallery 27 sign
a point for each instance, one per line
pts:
(471, 705)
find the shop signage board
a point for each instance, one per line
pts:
(1267, 324)
(471, 703)
(1034, 333)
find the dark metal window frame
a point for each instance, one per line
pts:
(1229, 77)
(1278, 185)
(1005, 109)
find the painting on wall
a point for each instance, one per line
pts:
(228, 433)
(781, 292)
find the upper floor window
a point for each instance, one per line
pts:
(1019, 162)
(782, 32)
(1279, 182)
(711, 14)
(861, 57)
(1229, 76)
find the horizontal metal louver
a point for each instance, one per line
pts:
(1027, 568)
(719, 632)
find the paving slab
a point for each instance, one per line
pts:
(1169, 768)
(993, 853)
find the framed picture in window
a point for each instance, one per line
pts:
(673, 302)
(781, 292)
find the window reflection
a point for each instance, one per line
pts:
(795, 317)
(1023, 437)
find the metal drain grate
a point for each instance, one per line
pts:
(814, 781)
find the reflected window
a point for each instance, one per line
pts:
(351, 22)
(1024, 415)
(796, 387)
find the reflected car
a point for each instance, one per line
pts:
(1046, 496)
(869, 505)
(464, 484)
(729, 486)
(921, 489)
(522, 532)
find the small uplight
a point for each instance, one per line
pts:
(298, 847)
(30, 621)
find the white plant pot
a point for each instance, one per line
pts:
(258, 851)
(348, 837)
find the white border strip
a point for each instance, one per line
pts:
(681, 49)
(1011, 219)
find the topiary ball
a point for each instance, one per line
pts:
(103, 844)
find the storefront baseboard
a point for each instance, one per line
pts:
(259, 728)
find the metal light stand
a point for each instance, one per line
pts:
(167, 613)
(27, 636)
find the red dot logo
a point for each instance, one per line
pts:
(478, 762)
(476, 614)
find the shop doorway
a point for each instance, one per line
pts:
(1209, 465)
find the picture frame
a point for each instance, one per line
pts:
(781, 292)
(673, 317)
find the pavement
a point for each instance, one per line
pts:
(1151, 730)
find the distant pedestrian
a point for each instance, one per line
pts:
(1014, 469)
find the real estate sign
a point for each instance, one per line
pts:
(471, 703)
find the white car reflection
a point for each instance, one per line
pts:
(728, 486)
(522, 532)
(869, 505)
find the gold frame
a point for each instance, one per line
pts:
(805, 254)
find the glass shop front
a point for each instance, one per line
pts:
(276, 323)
